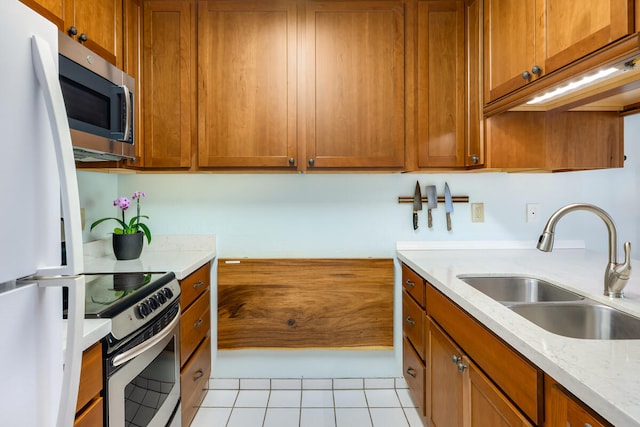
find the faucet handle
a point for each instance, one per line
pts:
(618, 274)
(624, 270)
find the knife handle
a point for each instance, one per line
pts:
(415, 220)
(448, 221)
(429, 218)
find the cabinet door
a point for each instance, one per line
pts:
(474, 121)
(169, 83)
(509, 45)
(444, 393)
(355, 88)
(484, 403)
(441, 84)
(563, 410)
(247, 83)
(132, 65)
(101, 22)
(593, 24)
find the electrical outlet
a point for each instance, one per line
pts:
(477, 212)
(532, 212)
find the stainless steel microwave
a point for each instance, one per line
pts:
(99, 99)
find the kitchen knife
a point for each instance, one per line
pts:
(448, 204)
(432, 202)
(417, 205)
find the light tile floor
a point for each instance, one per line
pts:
(338, 402)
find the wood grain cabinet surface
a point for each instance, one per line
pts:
(565, 410)
(247, 92)
(90, 402)
(526, 40)
(414, 337)
(95, 23)
(195, 340)
(169, 85)
(305, 303)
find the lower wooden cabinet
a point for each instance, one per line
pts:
(195, 340)
(469, 377)
(194, 377)
(90, 404)
(564, 410)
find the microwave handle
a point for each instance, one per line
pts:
(127, 106)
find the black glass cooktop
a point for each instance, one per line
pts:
(109, 294)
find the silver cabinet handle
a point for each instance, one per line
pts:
(139, 349)
(198, 284)
(526, 75)
(456, 359)
(410, 283)
(536, 70)
(410, 321)
(199, 374)
(197, 324)
(475, 159)
(312, 162)
(462, 367)
(411, 372)
(292, 161)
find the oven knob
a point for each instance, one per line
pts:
(167, 293)
(153, 303)
(161, 298)
(144, 309)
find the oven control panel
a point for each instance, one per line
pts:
(145, 310)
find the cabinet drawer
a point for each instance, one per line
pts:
(193, 381)
(92, 416)
(520, 380)
(194, 285)
(413, 284)
(413, 369)
(194, 326)
(413, 319)
(90, 375)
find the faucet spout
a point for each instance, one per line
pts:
(616, 275)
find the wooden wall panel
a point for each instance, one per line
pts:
(305, 303)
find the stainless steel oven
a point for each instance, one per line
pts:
(143, 376)
(141, 355)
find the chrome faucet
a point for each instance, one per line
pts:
(616, 275)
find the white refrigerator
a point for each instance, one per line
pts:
(40, 354)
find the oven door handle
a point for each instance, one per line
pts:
(141, 348)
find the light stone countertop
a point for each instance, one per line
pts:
(605, 374)
(181, 254)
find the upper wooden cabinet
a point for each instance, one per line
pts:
(132, 65)
(247, 83)
(169, 83)
(353, 75)
(95, 23)
(448, 105)
(441, 84)
(528, 39)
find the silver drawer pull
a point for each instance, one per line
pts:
(199, 374)
(410, 321)
(462, 367)
(456, 359)
(411, 372)
(198, 323)
(198, 284)
(410, 283)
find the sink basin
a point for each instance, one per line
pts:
(519, 289)
(581, 320)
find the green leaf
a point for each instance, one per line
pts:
(95, 223)
(146, 231)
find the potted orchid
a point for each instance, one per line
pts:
(128, 238)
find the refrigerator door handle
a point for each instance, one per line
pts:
(73, 346)
(47, 74)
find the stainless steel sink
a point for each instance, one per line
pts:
(519, 289)
(587, 320)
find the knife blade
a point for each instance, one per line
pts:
(417, 205)
(432, 203)
(448, 204)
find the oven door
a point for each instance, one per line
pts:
(145, 389)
